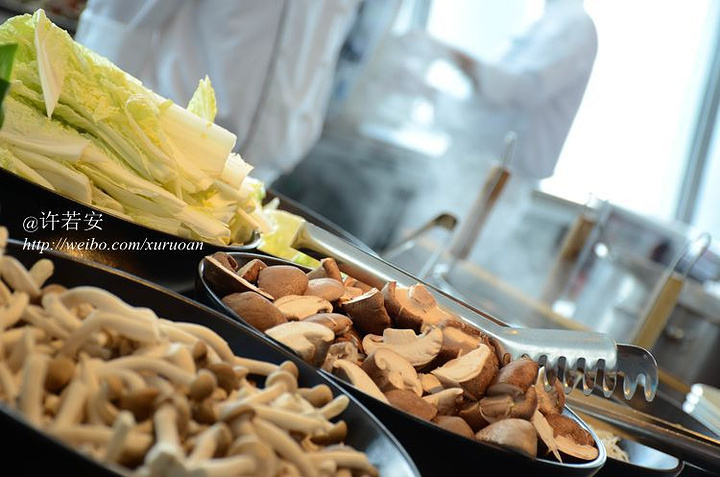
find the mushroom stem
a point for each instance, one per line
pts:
(103, 300)
(131, 328)
(41, 271)
(7, 383)
(210, 337)
(335, 407)
(181, 356)
(174, 333)
(130, 378)
(72, 405)
(167, 453)
(292, 421)
(11, 337)
(225, 467)
(259, 368)
(285, 446)
(318, 395)
(13, 310)
(345, 457)
(21, 351)
(279, 382)
(5, 293)
(100, 410)
(35, 316)
(159, 366)
(207, 443)
(56, 308)
(136, 442)
(124, 422)
(17, 277)
(32, 388)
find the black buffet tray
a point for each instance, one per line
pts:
(365, 432)
(436, 452)
(23, 202)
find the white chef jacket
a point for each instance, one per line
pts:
(537, 85)
(271, 62)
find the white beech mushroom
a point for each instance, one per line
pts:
(285, 446)
(17, 276)
(266, 461)
(344, 456)
(30, 400)
(124, 422)
(13, 309)
(41, 271)
(117, 383)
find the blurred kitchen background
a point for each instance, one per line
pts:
(618, 239)
(627, 214)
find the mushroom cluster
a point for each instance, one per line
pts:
(399, 346)
(156, 397)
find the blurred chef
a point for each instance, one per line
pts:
(534, 89)
(540, 80)
(271, 62)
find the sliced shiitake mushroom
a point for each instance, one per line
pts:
(328, 269)
(472, 371)
(226, 260)
(223, 281)
(391, 371)
(310, 341)
(552, 401)
(258, 311)
(339, 324)
(503, 406)
(517, 434)
(341, 350)
(368, 312)
(412, 307)
(282, 280)
(419, 350)
(411, 403)
(299, 307)
(354, 374)
(571, 439)
(251, 270)
(519, 374)
(454, 424)
(326, 288)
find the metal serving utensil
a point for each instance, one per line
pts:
(587, 358)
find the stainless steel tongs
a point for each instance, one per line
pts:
(576, 357)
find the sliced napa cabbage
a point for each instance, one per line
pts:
(73, 114)
(202, 103)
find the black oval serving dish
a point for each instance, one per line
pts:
(436, 452)
(162, 258)
(643, 460)
(366, 433)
